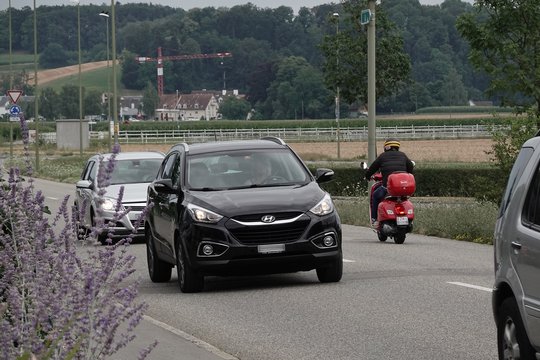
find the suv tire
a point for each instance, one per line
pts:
(333, 272)
(190, 281)
(159, 270)
(512, 341)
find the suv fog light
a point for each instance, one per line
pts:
(328, 241)
(325, 241)
(211, 249)
(207, 250)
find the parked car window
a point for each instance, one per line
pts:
(521, 161)
(135, 171)
(167, 169)
(87, 171)
(531, 209)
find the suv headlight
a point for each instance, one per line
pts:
(324, 207)
(201, 214)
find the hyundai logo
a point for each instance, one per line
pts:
(268, 219)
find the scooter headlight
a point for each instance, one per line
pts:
(324, 207)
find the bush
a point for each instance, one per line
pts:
(59, 300)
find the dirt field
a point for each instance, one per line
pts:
(45, 76)
(470, 150)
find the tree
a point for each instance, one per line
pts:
(150, 100)
(70, 101)
(233, 108)
(298, 91)
(53, 56)
(92, 102)
(504, 36)
(49, 103)
(346, 56)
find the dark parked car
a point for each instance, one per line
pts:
(240, 207)
(516, 295)
(133, 172)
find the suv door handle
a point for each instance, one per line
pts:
(516, 245)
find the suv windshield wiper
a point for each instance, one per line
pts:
(206, 189)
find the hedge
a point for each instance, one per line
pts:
(446, 182)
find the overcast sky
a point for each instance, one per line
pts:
(188, 4)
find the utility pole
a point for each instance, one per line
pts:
(372, 130)
(336, 17)
(36, 94)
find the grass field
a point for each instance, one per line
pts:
(91, 80)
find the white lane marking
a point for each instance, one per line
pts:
(51, 198)
(345, 260)
(200, 343)
(470, 286)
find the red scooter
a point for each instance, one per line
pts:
(395, 213)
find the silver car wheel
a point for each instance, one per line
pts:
(511, 345)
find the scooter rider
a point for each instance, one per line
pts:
(391, 160)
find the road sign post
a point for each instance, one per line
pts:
(365, 17)
(14, 95)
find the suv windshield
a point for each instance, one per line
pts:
(243, 169)
(134, 171)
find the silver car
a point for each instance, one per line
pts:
(133, 171)
(516, 295)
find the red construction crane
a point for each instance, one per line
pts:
(160, 58)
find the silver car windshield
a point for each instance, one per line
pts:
(134, 171)
(245, 169)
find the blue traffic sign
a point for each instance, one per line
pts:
(15, 110)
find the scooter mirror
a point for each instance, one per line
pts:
(413, 163)
(363, 165)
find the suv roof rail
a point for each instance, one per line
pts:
(183, 145)
(274, 139)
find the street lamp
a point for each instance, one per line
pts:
(36, 93)
(113, 49)
(336, 17)
(105, 14)
(80, 76)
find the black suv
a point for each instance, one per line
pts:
(240, 207)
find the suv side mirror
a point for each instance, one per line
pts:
(164, 186)
(323, 175)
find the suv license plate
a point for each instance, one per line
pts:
(402, 220)
(271, 248)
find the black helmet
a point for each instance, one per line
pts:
(391, 144)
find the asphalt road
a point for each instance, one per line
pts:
(429, 298)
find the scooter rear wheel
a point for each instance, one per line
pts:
(381, 236)
(399, 238)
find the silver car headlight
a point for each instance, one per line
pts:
(108, 204)
(324, 207)
(201, 214)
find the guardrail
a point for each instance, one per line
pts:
(302, 134)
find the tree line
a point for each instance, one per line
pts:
(284, 62)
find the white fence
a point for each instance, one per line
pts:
(302, 135)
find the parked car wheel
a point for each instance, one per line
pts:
(80, 230)
(190, 281)
(331, 273)
(512, 340)
(158, 270)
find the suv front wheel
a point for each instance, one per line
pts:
(332, 272)
(159, 270)
(512, 341)
(190, 281)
